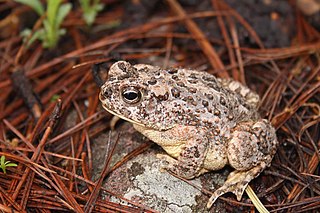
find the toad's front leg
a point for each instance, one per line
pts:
(191, 156)
(187, 144)
(189, 163)
(250, 151)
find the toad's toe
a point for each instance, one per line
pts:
(236, 183)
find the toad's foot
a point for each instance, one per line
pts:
(167, 162)
(236, 183)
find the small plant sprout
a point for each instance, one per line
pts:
(50, 31)
(4, 164)
(90, 10)
(54, 98)
(34, 4)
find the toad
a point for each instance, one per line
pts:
(203, 123)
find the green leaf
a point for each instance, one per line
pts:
(25, 33)
(52, 9)
(4, 164)
(11, 164)
(39, 34)
(2, 160)
(34, 4)
(62, 13)
(55, 14)
(46, 26)
(99, 7)
(84, 4)
(62, 32)
(90, 11)
(90, 16)
(48, 39)
(54, 98)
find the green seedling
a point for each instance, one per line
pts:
(4, 164)
(34, 4)
(50, 31)
(90, 9)
(54, 98)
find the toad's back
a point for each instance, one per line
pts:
(179, 96)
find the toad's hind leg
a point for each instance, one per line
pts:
(250, 151)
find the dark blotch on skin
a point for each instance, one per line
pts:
(193, 76)
(192, 81)
(209, 78)
(214, 86)
(112, 78)
(205, 103)
(122, 67)
(175, 77)
(190, 98)
(152, 82)
(172, 70)
(175, 92)
(181, 84)
(193, 90)
(163, 97)
(196, 153)
(210, 97)
(106, 94)
(222, 101)
(125, 76)
(145, 69)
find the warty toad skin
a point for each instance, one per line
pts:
(201, 121)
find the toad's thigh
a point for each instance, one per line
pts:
(252, 144)
(216, 157)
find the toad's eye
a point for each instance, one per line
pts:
(131, 95)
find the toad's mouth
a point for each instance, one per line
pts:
(122, 117)
(135, 123)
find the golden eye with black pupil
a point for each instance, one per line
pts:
(131, 95)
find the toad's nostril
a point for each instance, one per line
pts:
(105, 94)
